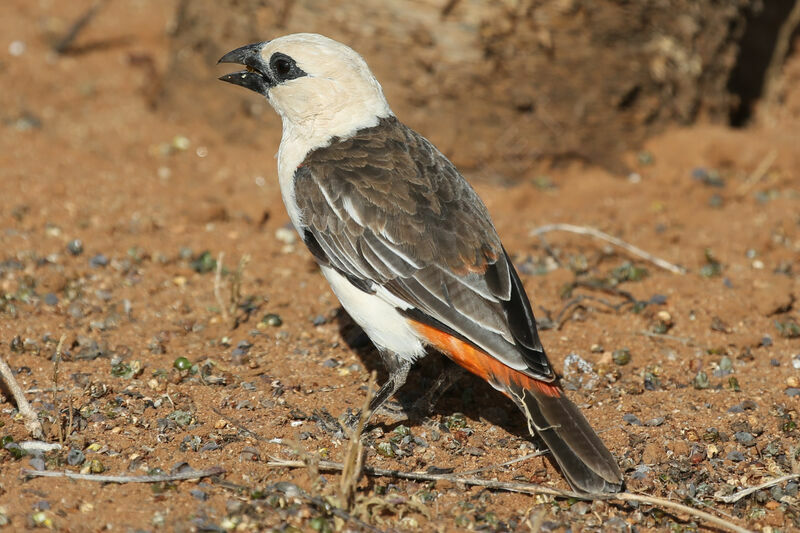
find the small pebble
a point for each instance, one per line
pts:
(99, 260)
(272, 319)
(796, 361)
(37, 463)
(75, 457)
(766, 341)
(735, 456)
(621, 357)
(96, 466)
(632, 419)
(701, 380)
(182, 363)
(744, 438)
(653, 422)
(50, 299)
(641, 472)
(16, 48)
(199, 494)
(75, 247)
(41, 505)
(792, 391)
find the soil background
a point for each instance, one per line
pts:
(127, 173)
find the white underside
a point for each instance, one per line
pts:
(377, 314)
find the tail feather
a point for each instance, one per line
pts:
(584, 460)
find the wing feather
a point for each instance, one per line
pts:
(390, 212)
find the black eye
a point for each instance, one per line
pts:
(284, 68)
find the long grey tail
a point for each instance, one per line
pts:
(583, 458)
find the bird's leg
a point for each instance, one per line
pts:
(398, 372)
(449, 376)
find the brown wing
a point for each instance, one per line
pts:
(386, 208)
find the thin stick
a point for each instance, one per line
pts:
(733, 498)
(32, 423)
(760, 171)
(584, 230)
(65, 42)
(524, 488)
(181, 476)
(39, 446)
(354, 454)
(507, 463)
(56, 396)
(218, 287)
(688, 341)
(783, 44)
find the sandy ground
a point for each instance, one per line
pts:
(113, 216)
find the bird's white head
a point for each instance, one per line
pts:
(320, 87)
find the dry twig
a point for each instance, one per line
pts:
(525, 488)
(63, 45)
(102, 478)
(583, 230)
(735, 497)
(218, 287)
(354, 455)
(688, 341)
(32, 423)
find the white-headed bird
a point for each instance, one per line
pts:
(405, 242)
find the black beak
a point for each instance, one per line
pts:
(256, 77)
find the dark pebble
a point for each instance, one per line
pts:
(616, 523)
(244, 345)
(180, 467)
(50, 299)
(75, 457)
(472, 450)
(330, 363)
(210, 446)
(745, 438)
(98, 261)
(641, 472)
(248, 453)
(199, 494)
(580, 508)
(319, 320)
(735, 456)
(632, 419)
(75, 247)
(41, 505)
(776, 492)
(766, 340)
(37, 463)
(792, 391)
(791, 489)
(657, 299)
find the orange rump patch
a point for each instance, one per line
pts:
(480, 363)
